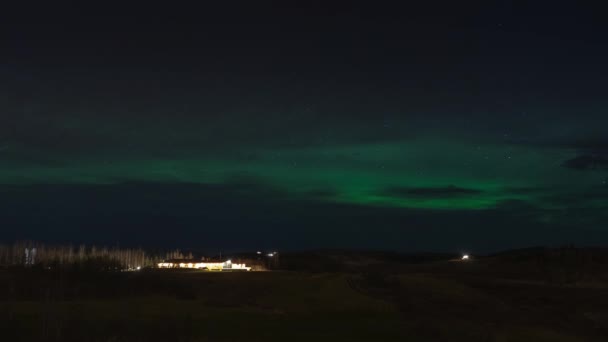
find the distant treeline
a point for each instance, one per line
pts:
(93, 258)
(34, 254)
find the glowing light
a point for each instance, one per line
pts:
(465, 257)
(209, 266)
(138, 268)
(259, 252)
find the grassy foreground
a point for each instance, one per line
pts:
(421, 305)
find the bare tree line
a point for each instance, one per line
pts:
(177, 254)
(100, 258)
(45, 255)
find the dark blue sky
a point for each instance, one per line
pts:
(443, 126)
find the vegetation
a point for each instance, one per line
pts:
(89, 258)
(371, 298)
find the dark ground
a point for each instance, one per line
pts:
(528, 295)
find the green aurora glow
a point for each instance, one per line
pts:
(354, 173)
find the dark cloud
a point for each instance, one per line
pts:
(587, 162)
(598, 144)
(526, 190)
(429, 192)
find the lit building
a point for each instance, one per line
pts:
(204, 265)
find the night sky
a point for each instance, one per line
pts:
(474, 126)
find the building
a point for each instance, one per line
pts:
(203, 265)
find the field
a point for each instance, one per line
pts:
(435, 301)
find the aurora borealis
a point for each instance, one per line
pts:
(367, 130)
